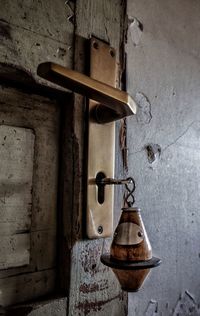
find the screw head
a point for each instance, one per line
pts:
(100, 229)
(140, 234)
(112, 53)
(95, 45)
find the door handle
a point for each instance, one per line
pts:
(114, 104)
(106, 105)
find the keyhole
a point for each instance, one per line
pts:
(101, 187)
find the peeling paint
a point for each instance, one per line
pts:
(71, 18)
(186, 305)
(143, 115)
(69, 4)
(153, 152)
(61, 52)
(5, 30)
(163, 67)
(89, 259)
(86, 307)
(152, 308)
(136, 30)
(123, 143)
(94, 287)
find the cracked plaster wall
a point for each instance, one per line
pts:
(163, 75)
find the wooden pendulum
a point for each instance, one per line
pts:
(130, 255)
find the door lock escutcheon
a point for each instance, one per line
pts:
(106, 105)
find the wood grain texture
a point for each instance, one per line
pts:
(40, 117)
(16, 173)
(131, 281)
(47, 307)
(25, 287)
(93, 287)
(14, 250)
(132, 248)
(35, 31)
(25, 44)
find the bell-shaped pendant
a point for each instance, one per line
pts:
(130, 255)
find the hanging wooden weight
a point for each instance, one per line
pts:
(130, 242)
(130, 255)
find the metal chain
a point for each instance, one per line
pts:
(129, 197)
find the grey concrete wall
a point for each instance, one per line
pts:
(164, 150)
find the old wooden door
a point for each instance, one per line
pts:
(29, 133)
(50, 145)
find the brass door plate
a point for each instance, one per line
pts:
(110, 104)
(101, 145)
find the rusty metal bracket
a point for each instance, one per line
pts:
(106, 105)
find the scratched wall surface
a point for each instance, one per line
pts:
(164, 153)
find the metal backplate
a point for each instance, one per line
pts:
(101, 146)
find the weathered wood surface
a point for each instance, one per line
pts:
(36, 118)
(16, 171)
(35, 31)
(55, 307)
(14, 250)
(93, 288)
(22, 288)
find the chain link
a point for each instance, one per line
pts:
(130, 187)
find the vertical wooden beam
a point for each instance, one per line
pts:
(93, 288)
